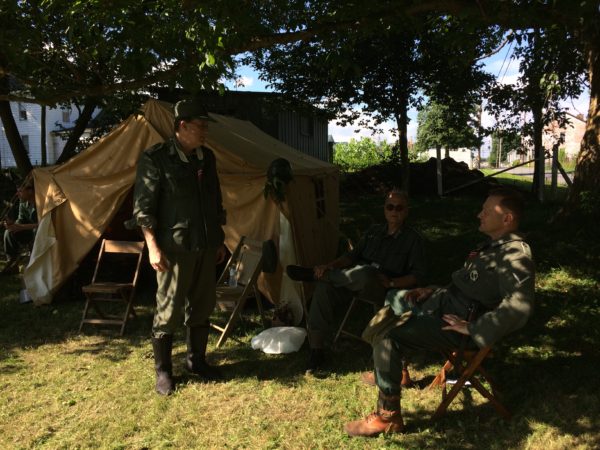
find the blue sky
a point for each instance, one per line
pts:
(505, 69)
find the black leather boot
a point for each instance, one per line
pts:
(195, 362)
(162, 347)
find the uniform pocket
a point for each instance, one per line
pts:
(180, 233)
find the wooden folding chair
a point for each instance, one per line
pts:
(247, 261)
(102, 291)
(469, 366)
(342, 331)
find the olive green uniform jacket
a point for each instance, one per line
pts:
(181, 201)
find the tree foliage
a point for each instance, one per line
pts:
(444, 126)
(370, 75)
(552, 69)
(504, 142)
(59, 51)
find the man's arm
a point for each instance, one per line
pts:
(339, 263)
(158, 261)
(145, 203)
(516, 277)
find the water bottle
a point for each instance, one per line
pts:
(232, 277)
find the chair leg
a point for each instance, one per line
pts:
(129, 311)
(344, 320)
(85, 311)
(473, 365)
(259, 305)
(233, 318)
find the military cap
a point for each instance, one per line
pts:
(190, 109)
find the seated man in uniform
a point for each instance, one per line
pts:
(21, 231)
(496, 281)
(388, 256)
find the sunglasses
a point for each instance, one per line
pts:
(391, 207)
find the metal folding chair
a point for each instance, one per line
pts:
(244, 266)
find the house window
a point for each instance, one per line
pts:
(306, 126)
(66, 115)
(22, 112)
(25, 139)
(320, 198)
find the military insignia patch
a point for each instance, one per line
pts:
(474, 275)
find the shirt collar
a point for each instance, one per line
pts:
(182, 156)
(384, 231)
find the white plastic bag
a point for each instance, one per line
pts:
(279, 340)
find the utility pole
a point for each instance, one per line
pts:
(499, 151)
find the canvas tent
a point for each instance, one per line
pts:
(77, 200)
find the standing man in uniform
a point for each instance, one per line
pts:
(388, 256)
(177, 203)
(21, 231)
(496, 281)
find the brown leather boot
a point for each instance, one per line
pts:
(387, 419)
(369, 378)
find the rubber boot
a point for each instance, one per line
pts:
(162, 347)
(387, 419)
(316, 358)
(195, 362)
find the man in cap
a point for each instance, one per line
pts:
(388, 256)
(496, 282)
(178, 205)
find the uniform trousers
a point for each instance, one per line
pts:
(337, 288)
(14, 240)
(422, 331)
(187, 290)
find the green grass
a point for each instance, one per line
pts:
(61, 389)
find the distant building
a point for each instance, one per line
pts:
(28, 117)
(573, 135)
(463, 154)
(305, 131)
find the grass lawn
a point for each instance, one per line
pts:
(61, 389)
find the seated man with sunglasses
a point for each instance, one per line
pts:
(388, 256)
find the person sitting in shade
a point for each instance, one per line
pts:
(20, 232)
(496, 282)
(388, 256)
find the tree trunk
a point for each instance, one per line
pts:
(587, 170)
(402, 124)
(538, 150)
(12, 132)
(80, 125)
(43, 147)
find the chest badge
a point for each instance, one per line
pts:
(474, 275)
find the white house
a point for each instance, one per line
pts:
(28, 119)
(463, 154)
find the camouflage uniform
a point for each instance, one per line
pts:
(179, 198)
(497, 279)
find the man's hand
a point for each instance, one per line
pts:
(158, 261)
(418, 295)
(455, 323)
(384, 280)
(320, 271)
(221, 254)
